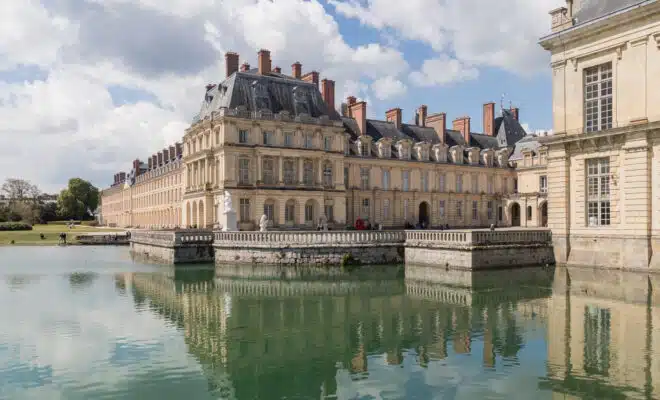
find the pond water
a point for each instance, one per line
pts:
(91, 323)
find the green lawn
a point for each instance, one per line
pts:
(51, 233)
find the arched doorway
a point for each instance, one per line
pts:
(543, 215)
(424, 214)
(515, 214)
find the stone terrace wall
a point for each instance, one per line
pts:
(314, 247)
(177, 247)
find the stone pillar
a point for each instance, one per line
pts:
(259, 169)
(559, 200)
(300, 171)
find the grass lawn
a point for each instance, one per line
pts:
(50, 231)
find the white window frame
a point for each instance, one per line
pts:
(598, 97)
(386, 180)
(364, 178)
(243, 137)
(244, 210)
(386, 209)
(405, 179)
(441, 208)
(543, 184)
(289, 212)
(244, 171)
(598, 207)
(459, 183)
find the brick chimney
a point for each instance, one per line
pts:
(160, 158)
(462, 124)
(422, 112)
(277, 70)
(328, 93)
(394, 115)
(166, 155)
(358, 111)
(136, 167)
(489, 119)
(179, 149)
(439, 123)
(296, 69)
(150, 164)
(231, 63)
(154, 161)
(311, 77)
(264, 62)
(515, 112)
(172, 153)
(245, 67)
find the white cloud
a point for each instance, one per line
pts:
(388, 88)
(442, 71)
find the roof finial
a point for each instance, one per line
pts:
(502, 104)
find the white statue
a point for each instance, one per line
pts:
(323, 223)
(228, 205)
(263, 223)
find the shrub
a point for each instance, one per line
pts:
(15, 226)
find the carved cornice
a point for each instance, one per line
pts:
(637, 149)
(618, 48)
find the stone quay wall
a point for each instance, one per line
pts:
(479, 249)
(175, 247)
(310, 247)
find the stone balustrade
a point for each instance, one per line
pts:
(472, 238)
(283, 239)
(174, 247)
(172, 238)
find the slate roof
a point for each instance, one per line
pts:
(528, 142)
(509, 131)
(273, 91)
(589, 10)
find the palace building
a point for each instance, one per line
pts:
(277, 144)
(603, 161)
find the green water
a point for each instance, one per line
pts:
(90, 323)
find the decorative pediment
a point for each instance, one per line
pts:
(473, 155)
(422, 150)
(440, 152)
(456, 154)
(403, 147)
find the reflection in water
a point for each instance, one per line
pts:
(274, 333)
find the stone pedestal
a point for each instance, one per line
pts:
(229, 221)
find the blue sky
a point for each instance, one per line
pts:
(103, 82)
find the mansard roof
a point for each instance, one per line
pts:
(509, 131)
(529, 142)
(588, 10)
(273, 91)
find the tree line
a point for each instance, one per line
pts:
(23, 201)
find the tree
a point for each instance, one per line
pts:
(20, 189)
(79, 199)
(48, 212)
(24, 211)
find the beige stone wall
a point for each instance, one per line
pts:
(630, 42)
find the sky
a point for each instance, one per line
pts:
(87, 86)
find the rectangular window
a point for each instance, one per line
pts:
(288, 139)
(598, 98)
(386, 209)
(405, 177)
(515, 185)
(244, 210)
(329, 213)
(529, 213)
(289, 172)
(364, 149)
(490, 210)
(459, 209)
(459, 183)
(505, 185)
(268, 171)
(289, 212)
(347, 148)
(346, 174)
(475, 183)
(268, 138)
(269, 211)
(308, 173)
(405, 210)
(597, 337)
(365, 208)
(242, 136)
(327, 143)
(425, 181)
(327, 174)
(364, 178)
(543, 184)
(441, 183)
(386, 180)
(491, 188)
(244, 171)
(598, 192)
(309, 213)
(441, 208)
(308, 141)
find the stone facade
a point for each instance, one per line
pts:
(173, 247)
(603, 163)
(278, 146)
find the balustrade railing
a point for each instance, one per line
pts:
(172, 238)
(308, 238)
(478, 237)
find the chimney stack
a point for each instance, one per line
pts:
(122, 177)
(245, 67)
(296, 69)
(350, 100)
(264, 62)
(489, 119)
(358, 111)
(462, 124)
(172, 153)
(136, 167)
(150, 164)
(166, 155)
(328, 93)
(277, 70)
(312, 77)
(154, 161)
(179, 149)
(394, 115)
(231, 63)
(422, 111)
(439, 124)
(515, 112)
(160, 158)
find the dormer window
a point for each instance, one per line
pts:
(404, 150)
(364, 149)
(384, 149)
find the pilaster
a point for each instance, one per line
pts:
(559, 200)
